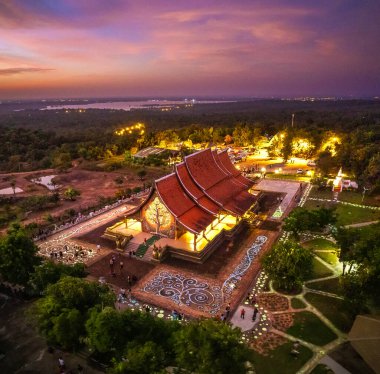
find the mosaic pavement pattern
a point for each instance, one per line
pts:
(184, 290)
(72, 252)
(232, 280)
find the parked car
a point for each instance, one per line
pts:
(300, 171)
(311, 163)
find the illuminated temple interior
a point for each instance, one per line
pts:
(188, 209)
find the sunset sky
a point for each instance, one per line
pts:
(77, 48)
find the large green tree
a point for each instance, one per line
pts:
(360, 252)
(210, 347)
(105, 330)
(62, 313)
(145, 358)
(18, 256)
(50, 272)
(288, 264)
(301, 219)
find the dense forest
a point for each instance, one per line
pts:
(32, 139)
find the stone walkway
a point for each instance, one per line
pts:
(362, 224)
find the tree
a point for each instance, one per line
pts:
(347, 239)
(62, 313)
(105, 331)
(360, 249)
(287, 147)
(50, 272)
(228, 139)
(18, 256)
(71, 193)
(141, 174)
(146, 358)
(301, 219)
(288, 264)
(326, 162)
(354, 292)
(298, 221)
(210, 347)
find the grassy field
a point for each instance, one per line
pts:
(321, 194)
(346, 214)
(356, 198)
(329, 285)
(297, 303)
(319, 270)
(307, 326)
(281, 358)
(333, 309)
(329, 257)
(320, 244)
(348, 196)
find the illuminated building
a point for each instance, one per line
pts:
(204, 202)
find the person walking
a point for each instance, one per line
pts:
(242, 313)
(255, 311)
(228, 310)
(61, 363)
(111, 265)
(121, 264)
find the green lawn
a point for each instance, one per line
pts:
(315, 204)
(329, 257)
(333, 309)
(307, 326)
(329, 285)
(320, 244)
(281, 358)
(319, 270)
(321, 369)
(297, 303)
(346, 214)
(348, 196)
(321, 194)
(356, 198)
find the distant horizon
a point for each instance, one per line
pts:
(188, 98)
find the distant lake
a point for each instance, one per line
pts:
(128, 105)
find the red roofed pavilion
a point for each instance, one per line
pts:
(195, 208)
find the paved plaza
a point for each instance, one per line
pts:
(292, 190)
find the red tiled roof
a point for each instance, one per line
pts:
(228, 165)
(177, 201)
(194, 190)
(203, 169)
(220, 181)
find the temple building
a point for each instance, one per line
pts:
(193, 210)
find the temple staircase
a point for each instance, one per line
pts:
(143, 247)
(132, 247)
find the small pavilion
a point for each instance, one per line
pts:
(195, 208)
